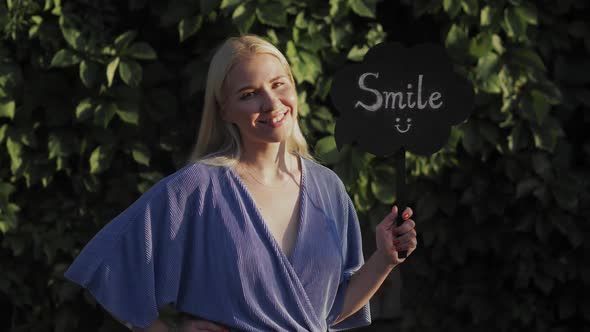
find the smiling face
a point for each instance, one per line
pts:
(400, 123)
(260, 99)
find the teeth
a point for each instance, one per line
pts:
(279, 118)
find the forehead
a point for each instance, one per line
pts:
(254, 69)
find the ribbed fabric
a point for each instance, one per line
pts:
(196, 240)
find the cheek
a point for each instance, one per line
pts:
(291, 100)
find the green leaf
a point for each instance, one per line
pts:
(189, 26)
(325, 150)
(123, 40)
(312, 66)
(6, 189)
(541, 105)
(273, 14)
(300, 21)
(338, 9)
(100, 159)
(486, 16)
(383, 184)
(130, 72)
(7, 109)
(15, 152)
(244, 16)
(452, 7)
(229, 3)
(89, 73)
(515, 24)
(141, 154)
(340, 35)
(128, 113)
(71, 34)
(470, 7)
(527, 13)
(209, 5)
(519, 138)
(528, 58)
(480, 45)
(3, 130)
(471, 139)
(64, 58)
(364, 8)
(112, 69)
(487, 65)
(312, 43)
(141, 51)
(357, 53)
(376, 35)
(104, 113)
(457, 37)
(60, 145)
(84, 110)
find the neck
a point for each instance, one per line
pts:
(271, 162)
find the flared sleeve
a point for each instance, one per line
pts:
(132, 265)
(352, 261)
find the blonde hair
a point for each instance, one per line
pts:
(218, 142)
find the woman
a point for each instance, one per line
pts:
(252, 234)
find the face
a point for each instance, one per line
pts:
(260, 99)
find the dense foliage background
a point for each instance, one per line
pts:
(99, 99)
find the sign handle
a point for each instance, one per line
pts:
(400, 175)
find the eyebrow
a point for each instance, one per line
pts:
(246, 87)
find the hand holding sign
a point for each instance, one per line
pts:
(400, 99)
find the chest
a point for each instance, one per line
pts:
(280, 211)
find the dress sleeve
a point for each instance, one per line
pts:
(132, 265)
(353, 260)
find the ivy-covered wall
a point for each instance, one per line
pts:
(99, 99)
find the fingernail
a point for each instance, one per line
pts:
(393, 208)
(406, 216)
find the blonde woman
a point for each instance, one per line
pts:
(252, 234)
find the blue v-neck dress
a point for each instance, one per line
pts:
(197, 241)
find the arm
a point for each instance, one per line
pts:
(363, 285)
(367, 280)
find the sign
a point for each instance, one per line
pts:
(400, 99)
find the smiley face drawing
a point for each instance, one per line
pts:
(408, 125)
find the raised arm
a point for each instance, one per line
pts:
(367, 280)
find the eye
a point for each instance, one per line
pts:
(278, 84)
(246, 95)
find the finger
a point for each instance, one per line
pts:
(407, 226)
(408, 213)
(407, 236)
(406, 245)
(390, 219)
(405, 241)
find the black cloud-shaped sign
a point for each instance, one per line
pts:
(400, 97)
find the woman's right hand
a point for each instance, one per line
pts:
(197, 325)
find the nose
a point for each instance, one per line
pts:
(271, 101)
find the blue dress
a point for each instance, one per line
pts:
(196, 241)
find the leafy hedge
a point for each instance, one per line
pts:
(100, 99)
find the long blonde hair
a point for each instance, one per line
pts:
(219, 142)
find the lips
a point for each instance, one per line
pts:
(275, 120)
